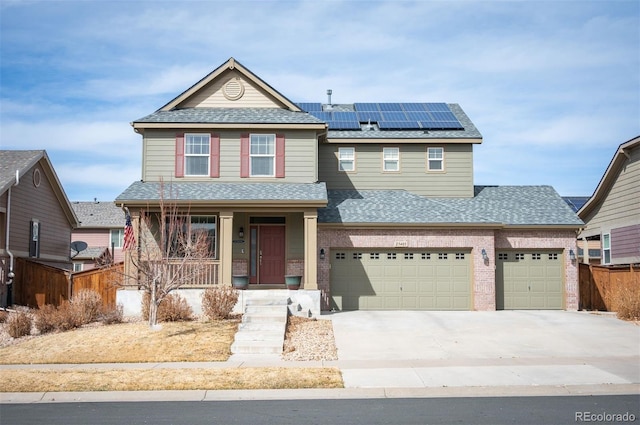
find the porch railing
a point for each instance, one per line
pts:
(199, 274)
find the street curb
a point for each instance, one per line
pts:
(313, 393)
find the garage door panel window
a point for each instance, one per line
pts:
(426, 256)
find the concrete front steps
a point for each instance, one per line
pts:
(264, 322)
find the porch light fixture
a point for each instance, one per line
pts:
(241, 232)
(485, 257)
(322, 253)
(572, 255)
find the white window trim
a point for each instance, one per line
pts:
(603, 259)
(435, 170)
(191, 155)
(120, 237)
(257, 155)
(395, 159)
(187, 221)
(78, 267)
(351, 158)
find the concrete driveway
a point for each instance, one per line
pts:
(427, 349)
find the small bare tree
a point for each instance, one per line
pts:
(169, 253)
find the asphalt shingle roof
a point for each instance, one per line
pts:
(10, 161)
(89, 253)
(214, 191)
(509, 205)
(230, 116)
(98, 214)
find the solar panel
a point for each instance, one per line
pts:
(394, 116)
(344, 125)
(418, 116)
(441, 125)
(324, 116)
(310, 106)
(391, 107)
(398, 125)
(415, 107)
(344, 116)
(437, 107)
(369, 116)
(366, 107)
(443, 116)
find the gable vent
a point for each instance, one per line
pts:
(233, 90)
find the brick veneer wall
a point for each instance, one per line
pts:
(483, 279)
(484, 275)
(548, 239)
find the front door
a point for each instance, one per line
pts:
(268, 252)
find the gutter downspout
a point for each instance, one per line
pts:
(11, 274)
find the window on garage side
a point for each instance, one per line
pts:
(390, 160)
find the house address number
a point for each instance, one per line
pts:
(401, 244)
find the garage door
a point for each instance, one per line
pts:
(529, 280)
(400, 280)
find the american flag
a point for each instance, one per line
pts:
(129, 238)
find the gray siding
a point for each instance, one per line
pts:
(29, 202)
(625, 244)
(621, 207)
(300, 155)
(455, 181)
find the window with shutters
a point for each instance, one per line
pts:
(262, 152)
(196, 154)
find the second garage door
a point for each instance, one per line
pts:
(529, 280)
(400, 280)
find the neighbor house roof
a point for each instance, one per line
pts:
(491, 205)
(90, 253)
(14, 164)
(314, 194)
(609, 176)
(99, 214)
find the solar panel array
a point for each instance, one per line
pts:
(388, 116)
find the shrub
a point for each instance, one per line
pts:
(19, 324)
(218, 303)
(46, 319)
(69, 316)
(627, 302)
(3, 316)
(89, 305)
(173, 308)
(113, 316)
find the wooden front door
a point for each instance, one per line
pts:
(268, 254)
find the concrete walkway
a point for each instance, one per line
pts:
(435, 354)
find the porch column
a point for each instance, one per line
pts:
(131, 276)
(226, 248)
(311, 249)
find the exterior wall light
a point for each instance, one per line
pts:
(241, 232)
(322, 253)
(572, 255)
(485, 257)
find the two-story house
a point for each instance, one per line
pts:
(372, 203)
(102, 229)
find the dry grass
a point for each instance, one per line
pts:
(127, 343)
(168, 379)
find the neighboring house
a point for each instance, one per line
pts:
(36, 218)
(102, 229)
(373, 204)
(592, 246)
(612, 214)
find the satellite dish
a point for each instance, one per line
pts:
(78, 246)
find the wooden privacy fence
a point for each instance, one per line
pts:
(103, 281)
(37, 284)
(602, 286)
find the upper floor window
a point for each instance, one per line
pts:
(391, 159)
(196, 154)
(346, 159)
(606, 248)
(435, 159)
(117, 238)
(262, 151)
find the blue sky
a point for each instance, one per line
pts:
(553, 86)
